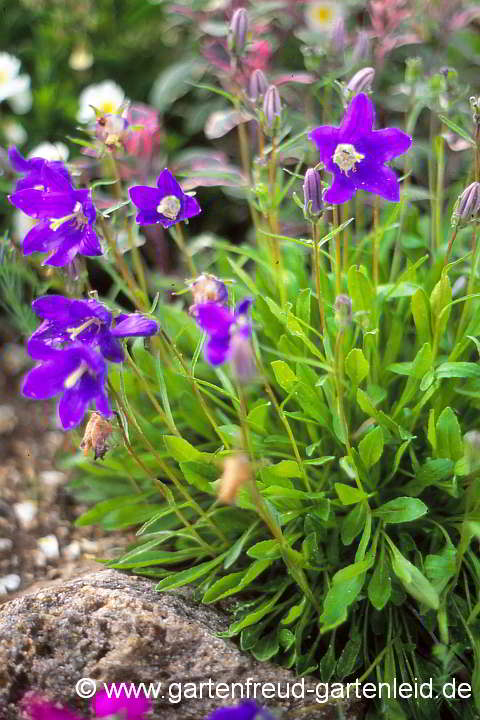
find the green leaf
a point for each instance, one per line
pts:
(268, 549)
(414, 581)
(353, 523)
(235, 582)
(402, 509)
(449, 436)
(457, 129)
(266, 647)
(441, 568)
(349, 495)
(295, 612)
(356, 366)
(181, 450)
(340, 596)
(371, 447)
(256, 615)
(184, 577)
(361, 291)
(349, 656)
(234, 553)
(423, 361)
(101, 509)
(284, 376)
(421, 315)
(458, 370)
(200, 475)
(380, 586)
(440, 300)
(172, 83)
(351, 571)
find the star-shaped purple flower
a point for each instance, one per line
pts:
(130, 708)
(225, 329)
(32, 169)
(356, 153)
(68, 320)
(66, 218)
(78, 372)
(166, 204)
(248, 710)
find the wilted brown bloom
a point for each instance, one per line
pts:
(236, 474)
(96, 434)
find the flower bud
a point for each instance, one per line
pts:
(236, 474)
(338, 36)
(361, 48)
(242, 358)
(111, 129)
(237, 36)
(312, 193)
(343, 311)
(467, 206)
(272, 110)
(96, 434)
(257, 85)
(360, 82)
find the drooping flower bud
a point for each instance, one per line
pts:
(338, 36)
(236, 474)
(272, 110)
(96, 435)
(237, 36)
(312, 194)
(360, 82)
(241, 358)
(343, 311)
(257, 85)
(467, 206)
(361, 48)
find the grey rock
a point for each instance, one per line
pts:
(113, 627)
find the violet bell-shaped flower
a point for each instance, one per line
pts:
(166, 204)
(67, 320)
(207, 288)
(356, 154)
(76, 371)
(222, 326)
(66, 218)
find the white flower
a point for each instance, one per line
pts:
(50, 151)
(22, 224)
(14, 87)
(14, 132)
(322, 16)
(106, 97)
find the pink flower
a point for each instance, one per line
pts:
(143, 142)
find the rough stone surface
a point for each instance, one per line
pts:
(113, 627)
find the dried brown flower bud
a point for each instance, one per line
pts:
(236, 474)
(96, 434)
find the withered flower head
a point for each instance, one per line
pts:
(236, 474)
(96, 434)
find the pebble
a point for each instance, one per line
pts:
(72, 551)
(9, 583)
(8, 419)
(13, 359)
(25, 512)
(49, 546)
(52, 478)
(6, 544)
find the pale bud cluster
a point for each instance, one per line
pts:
(237, 35)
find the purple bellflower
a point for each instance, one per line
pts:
(129, 708)
(67, 320)
(224, 328)
(356, 154)
(66, 218)
(248, 710)
(32, 169)
(77, 371)
(166, 204)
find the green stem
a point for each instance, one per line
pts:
(317, 261)
(180, 240)
(471, 282)
(375, 239)
(338, 254)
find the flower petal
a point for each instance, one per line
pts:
(214, 319)
(168, 185)
(47, 380)
(41, 238)
(325, 138)
(216, 350)
(190, 207)
(53, 307)
(343, 189)
(135, 325)
(358, 119)
(110, 347)
(39, 204)
(135, 708)
(377, 179)
(76, 400)
(145, 197)
(67, 249)
(17, 161)
(38, 709)
(243, 306)
(150, 217)
(383, 145)
(90, 244)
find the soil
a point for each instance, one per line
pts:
(38, 539)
